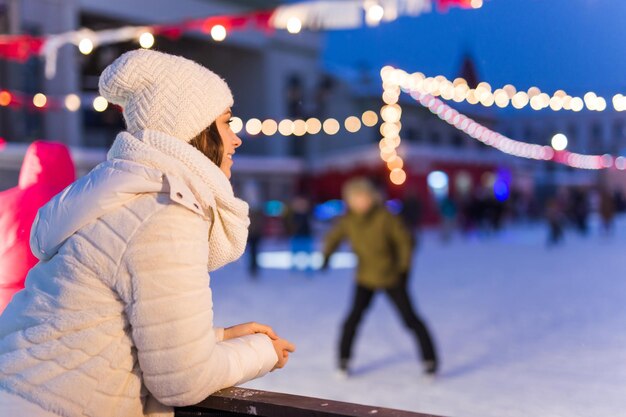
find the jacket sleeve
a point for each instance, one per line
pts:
(334, 238)
(180, 354)
(402, 241)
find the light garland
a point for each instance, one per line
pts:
(301, 127)
(391, 112)
(459, 91)
(253, 127)
(312, 15)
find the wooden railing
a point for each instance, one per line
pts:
(235, 402)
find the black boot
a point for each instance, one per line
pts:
(430, 366)
(344, 370)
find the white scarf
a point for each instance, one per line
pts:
(229, 230)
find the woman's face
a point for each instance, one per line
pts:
(230, 141)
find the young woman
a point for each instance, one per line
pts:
(116, 319)
(383, 247)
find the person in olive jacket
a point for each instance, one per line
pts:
(383, 249)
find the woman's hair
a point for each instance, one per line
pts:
(209, 142)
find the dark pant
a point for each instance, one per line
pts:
(400, 299)
(253, 254)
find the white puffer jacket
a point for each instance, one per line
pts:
(116, 319)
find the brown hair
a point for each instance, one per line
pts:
(209, 142)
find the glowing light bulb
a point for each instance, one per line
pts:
(559, 142)
(269, 127)
(374, 14)
(395, 163)
(236, 124)
(285, 127)
(5, 98)
(100, 104)
(313, 126)
(577, 104)
(85, 46)
(218, 33)
(299, 127)
(254, 126)
(331, 126)
(476, 4)
(520, 100)
(146, 40)
(72, 102)
(352, 124)
(369, 118)
(39, 100)
(294, 25)
(397, 176)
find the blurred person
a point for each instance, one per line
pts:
(411, 214)
(116, 319)
(607, 210)
(579, 210)
(383, 248)
(47, 169)
(298, 223)
(448, 213)
(255, 236)
(555, 214)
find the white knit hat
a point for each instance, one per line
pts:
(166, 93)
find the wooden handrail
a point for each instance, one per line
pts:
(249, 402)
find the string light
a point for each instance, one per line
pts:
(146, 40)
(389, 142)
(100, 104)
(39, 100)
(218, 33)
(72, 102)
(395, 81)
(85, 46)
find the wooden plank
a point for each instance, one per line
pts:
(242, 401)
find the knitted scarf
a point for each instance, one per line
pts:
(212, 189)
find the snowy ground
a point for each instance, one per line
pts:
(522, 330)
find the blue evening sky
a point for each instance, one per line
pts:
(577, 45)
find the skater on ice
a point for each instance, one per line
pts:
(116, 319)
(383, 248)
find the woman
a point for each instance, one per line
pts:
(116, 319)
(383, 248)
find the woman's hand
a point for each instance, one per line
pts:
(283, 349)
(246, 329)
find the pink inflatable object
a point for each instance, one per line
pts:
(47, 169)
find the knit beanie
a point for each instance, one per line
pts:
(166, 93)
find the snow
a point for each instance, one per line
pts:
(522, 329)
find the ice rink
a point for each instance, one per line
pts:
(522, 330)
